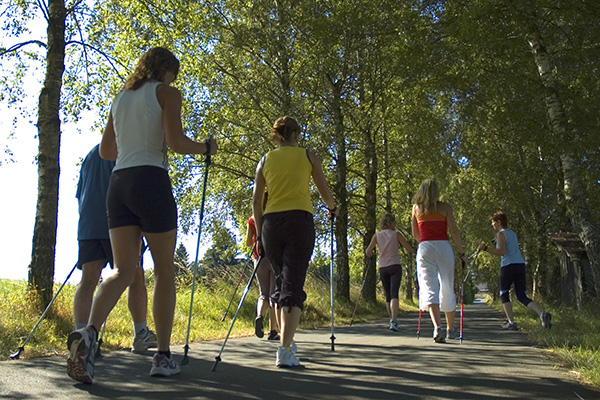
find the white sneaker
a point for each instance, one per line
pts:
(142, 345)
(294, 348)
(438, 335)
(82, 352)
(164, 366)
(394, 326)
(451, 333)
(286, 359)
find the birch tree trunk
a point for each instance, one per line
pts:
(41, 269)
(573, 186)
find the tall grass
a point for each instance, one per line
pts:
(18, 315)
(573, 340)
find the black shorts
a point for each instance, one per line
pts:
(141, 196)
(94, 250)
(391, 277)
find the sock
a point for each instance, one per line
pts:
(80, 325)
(140, 329)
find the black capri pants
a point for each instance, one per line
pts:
(391, 276)
(141, 196)
(288, 240)
(513, 273)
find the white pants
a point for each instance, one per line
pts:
(435, 271)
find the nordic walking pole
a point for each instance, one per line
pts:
(419, 325)
(360, 293)
(17, 354)
(234, 292)
(332, 218)
(244, 293)
(186, 348)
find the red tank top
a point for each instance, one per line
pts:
(432, 227)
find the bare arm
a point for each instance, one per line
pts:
(500, 248)
(371, 246)
(108, 145)
(170, 101)
(404, 243)
(257, 202)
(249, 235)
(320, 182)
(415, 224)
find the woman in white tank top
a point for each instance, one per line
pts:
(145, 118)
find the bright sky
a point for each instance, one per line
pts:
(17, 206)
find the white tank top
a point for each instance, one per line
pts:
(137, 120)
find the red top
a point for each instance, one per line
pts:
(432, 227)
(253, 227)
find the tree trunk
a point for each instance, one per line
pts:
(574, 190)
(369, 292)
(341, 192)
(41, 269)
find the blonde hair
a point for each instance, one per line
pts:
(387, 220)
(427, 196)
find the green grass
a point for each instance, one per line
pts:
(19, 314)
(573, 341)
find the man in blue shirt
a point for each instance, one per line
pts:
(95, 250)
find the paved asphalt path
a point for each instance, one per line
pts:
(369, 362)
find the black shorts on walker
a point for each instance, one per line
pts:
(141, 196)
(94, 250)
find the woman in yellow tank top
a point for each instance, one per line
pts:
(286, 228)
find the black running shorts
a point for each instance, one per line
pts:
(93, 250)
(141, 196)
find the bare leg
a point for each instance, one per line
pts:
(273, 325)
(393, 308)
(508, 311)
(434, 312)
(125, 245)
(534, 306)
(138, 297)
(290, 320)
(450, 319)
(162, 247)
(82, 302)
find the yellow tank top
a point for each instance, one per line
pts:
(287, 171)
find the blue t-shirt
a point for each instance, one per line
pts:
(512, 254)
(94, 178)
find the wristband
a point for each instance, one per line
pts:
(207, 144)
(258, 239)
(334, 209)
(461, 255)
(486, 247)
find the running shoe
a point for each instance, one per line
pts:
(394, 326)
(438, 335)
(294, 347)
(273, 335)
(142, 345)
(286, 358)
(82, 351)
(546, 318)
(509, 326)
(451, 333)
(164, 366)
(258, 327)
